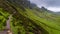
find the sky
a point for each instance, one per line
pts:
(53, 5)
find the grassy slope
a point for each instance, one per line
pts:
(31, 19)
(51, 26)
(3, 18)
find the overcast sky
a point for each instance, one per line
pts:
(53, 5)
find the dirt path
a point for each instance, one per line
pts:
(8, 25)
(8, 28)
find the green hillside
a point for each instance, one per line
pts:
(28, 19)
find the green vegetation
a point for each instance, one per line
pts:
(28, 20)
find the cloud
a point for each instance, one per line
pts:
(38, 2)
(55, 9)
(48, 3)
(52, 4)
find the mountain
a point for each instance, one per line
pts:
(57, 13)
(27, 18)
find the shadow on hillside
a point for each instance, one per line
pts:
(26, 21)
